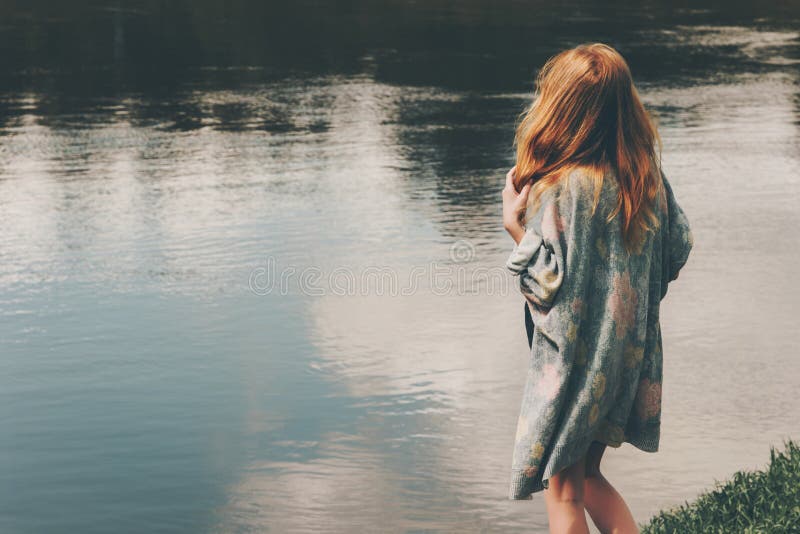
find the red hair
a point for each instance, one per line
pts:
(587, 113)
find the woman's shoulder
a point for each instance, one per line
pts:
(587, 185)
(581, 181)
(590, 189)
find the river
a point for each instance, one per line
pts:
(221, 223)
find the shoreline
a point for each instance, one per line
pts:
(750, 501)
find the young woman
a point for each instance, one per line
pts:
(598, 237)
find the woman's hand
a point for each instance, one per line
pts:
(514, 205)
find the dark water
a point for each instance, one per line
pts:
(162, 162)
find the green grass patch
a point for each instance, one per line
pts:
(751, 502)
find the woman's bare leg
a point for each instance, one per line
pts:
(605, 505)
(564, 499)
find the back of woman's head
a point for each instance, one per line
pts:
(587, 113)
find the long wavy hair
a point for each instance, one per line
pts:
(587, 113)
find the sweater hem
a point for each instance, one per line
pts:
(523, 487)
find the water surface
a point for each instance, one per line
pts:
(159, 160)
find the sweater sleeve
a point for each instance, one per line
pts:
(538, 259)
(678, 239)
(554, 258)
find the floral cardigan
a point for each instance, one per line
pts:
(595, 366)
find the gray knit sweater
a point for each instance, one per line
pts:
(596, 363)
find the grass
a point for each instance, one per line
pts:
(751, 502)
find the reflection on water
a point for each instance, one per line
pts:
(153, 156)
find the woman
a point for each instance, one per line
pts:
(599, 236)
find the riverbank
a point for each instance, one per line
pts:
(758, 501)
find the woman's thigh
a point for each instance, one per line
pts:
(593, 457)
(567, 484)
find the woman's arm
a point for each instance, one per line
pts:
(537, 256)
(678, 240)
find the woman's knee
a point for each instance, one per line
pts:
(567, 493)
